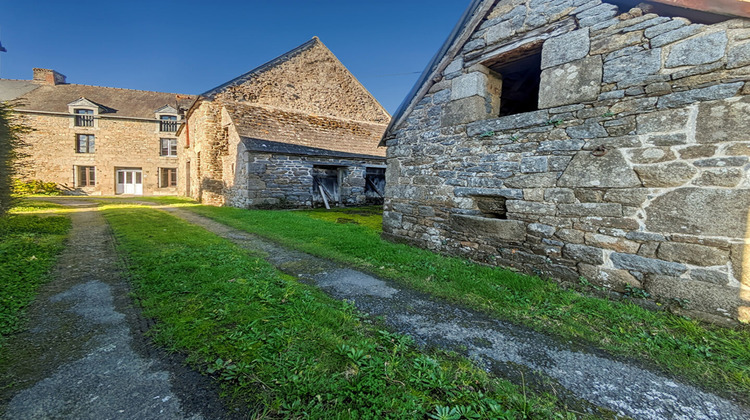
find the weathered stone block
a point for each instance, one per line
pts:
(570, 236)
(472, 84)
(510, 122)
(663, 121)
(710, 276)
(540, 180)
(590, 129)
(541, 229)
(591, 209)
(583, 253)
(699, 50)
(635, 66)
(499, 32)
(737, 149)
(630, 196)
(720, 177)
(607, 277)
(711, 93)
(668, 139)
(530, 207)
(738, 56)
(565, 48)
(514, 194)
(463, 111)
(695, 152)
(559, 196)
(507, 230)
(575, 82)
(608, 171)
(674, 35)
(665, 27)
(700, 211)
(534, 164)
(652, 155)
(607, 44)
(722, 162)
(722, 121)
(613, 243)
(671, 174)
(561, 145)
(702, 296)
(692, 254)
(646, 265)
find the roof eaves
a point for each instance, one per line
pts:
(269, 146)
(263, 67)
(739, 8)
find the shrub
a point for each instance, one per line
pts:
(36, 187)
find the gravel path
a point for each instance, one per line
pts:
(575, 374)
(85, 356)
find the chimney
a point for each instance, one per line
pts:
(48, 77)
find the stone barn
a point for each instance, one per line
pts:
(583, 138)
(297, 131)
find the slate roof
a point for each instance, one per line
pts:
(267, 124)
(731, 8)
(260, 69)
(268, 146)
(115, 101)
(12, 89)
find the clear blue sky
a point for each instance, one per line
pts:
(192, 46)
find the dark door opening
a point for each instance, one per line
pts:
(375, 185)
(326, 180)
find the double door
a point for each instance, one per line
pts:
(130, 181)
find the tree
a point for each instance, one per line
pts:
(11, 131)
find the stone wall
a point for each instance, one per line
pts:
(202, 147)
(287, 180)
(119, 143)
(632, 173)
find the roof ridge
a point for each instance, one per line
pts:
(119, 88)
(263, 67)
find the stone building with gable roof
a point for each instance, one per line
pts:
(586, 138)
(97, 140)
(299, 130)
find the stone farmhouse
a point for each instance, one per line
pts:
(97, 140)
(583, 138)
(299, 130)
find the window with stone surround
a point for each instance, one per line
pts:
(168, 123)
(168, 147)
(85, 176)
(167, 177)
(83, 117)
(85, 143)
(521, 75)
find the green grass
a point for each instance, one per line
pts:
(29, 245)
(286, 349)
(714, 357)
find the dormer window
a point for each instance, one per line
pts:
(168, 123)
(84, 117)
(85, 113)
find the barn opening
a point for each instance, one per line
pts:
(326, 184)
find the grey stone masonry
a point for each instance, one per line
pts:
(632, 169)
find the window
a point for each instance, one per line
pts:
(167, 177)
(85, 143)
(84, 117)
(521, 78)
(85, 176)
(168, 123)
(168, 147)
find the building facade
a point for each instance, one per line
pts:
(299, 130)
(93, 140)
(586, 138)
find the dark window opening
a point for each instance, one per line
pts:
(492, 207)
(84, 118)
(167, 177)
(168, 123)
(326, 184)
(168, 147)
(521, 79)
(375, 184)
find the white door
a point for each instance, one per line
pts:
(130, 181)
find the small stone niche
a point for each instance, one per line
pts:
(492, 207)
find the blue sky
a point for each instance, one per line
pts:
(192, 46)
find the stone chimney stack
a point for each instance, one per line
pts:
(48, 77)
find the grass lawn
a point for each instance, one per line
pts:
(286, 349)
(714, 357)
(29, 245)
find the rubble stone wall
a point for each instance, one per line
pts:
(632, 173)
(119, 143)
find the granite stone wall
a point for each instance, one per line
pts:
(632, 173)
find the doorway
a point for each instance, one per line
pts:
(130, 181)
